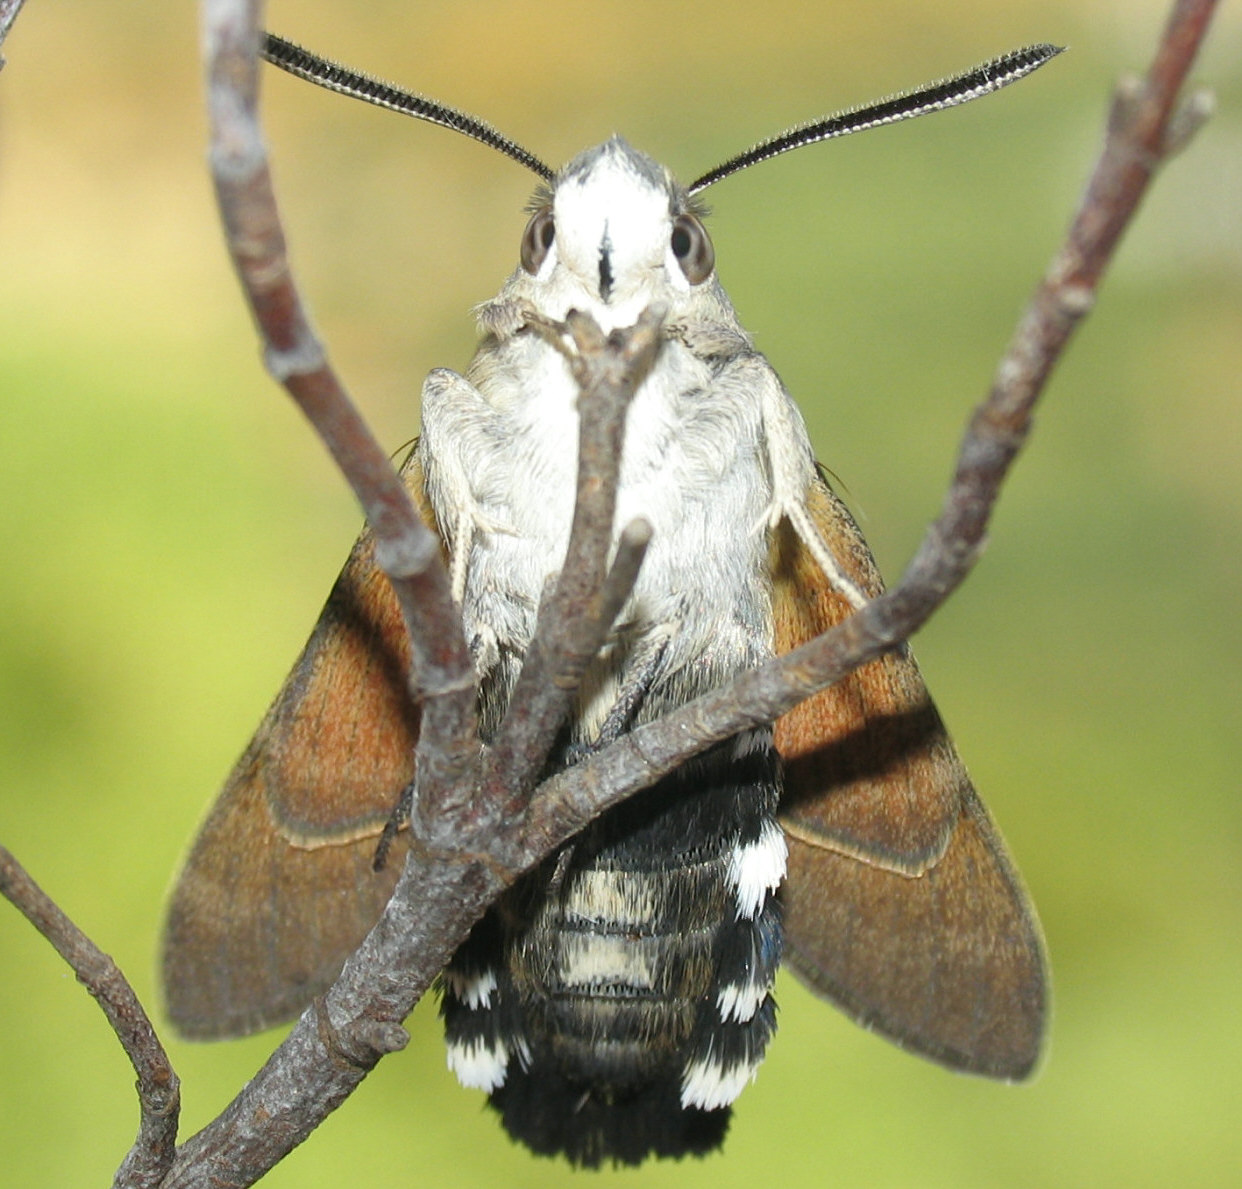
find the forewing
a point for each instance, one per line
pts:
(279, 889)
(901, 905)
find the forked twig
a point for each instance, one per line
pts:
(587, 597)
(1145, 128)
(159, 1090)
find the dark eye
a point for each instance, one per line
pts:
(537, 239)
(693, 248)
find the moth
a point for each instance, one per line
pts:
(616, 1002)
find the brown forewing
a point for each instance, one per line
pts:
(901, 905)
(279, 889)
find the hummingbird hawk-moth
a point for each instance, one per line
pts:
(617, 1000)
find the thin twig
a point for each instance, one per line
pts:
(338, 1041)
(443, 887)
(159, 1094)
(8, 14)
(575, 620)
(1138, 141)
(405, 548)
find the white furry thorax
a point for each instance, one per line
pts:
(713, 444)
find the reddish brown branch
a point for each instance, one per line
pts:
(159, 1093)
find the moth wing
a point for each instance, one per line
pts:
(278, 888)
(901, 905)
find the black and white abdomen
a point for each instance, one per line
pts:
(619, 999)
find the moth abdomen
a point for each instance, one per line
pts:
(618, 1008)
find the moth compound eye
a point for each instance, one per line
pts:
(693, 248)
(537, 239)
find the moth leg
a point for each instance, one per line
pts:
(637, 680)
(816, 546)
(560, 868)
(461, 439)
(461, 540)
(639, 677)
(397, 821)
(791, 468)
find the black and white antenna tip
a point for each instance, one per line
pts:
(333, 77)
(950, 92)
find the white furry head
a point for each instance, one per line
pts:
(613, 234)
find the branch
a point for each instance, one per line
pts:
(1144, 130)
(407, 551)
(445, 885)
(159, 1092)
(8, 14)
(575, 621)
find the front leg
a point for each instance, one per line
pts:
(460, 438)
(635, 681)
(791, 468)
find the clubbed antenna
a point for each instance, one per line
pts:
(950, 92)
(333, 77)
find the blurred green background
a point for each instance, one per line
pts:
(169, 528)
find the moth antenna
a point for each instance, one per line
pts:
(334, 77)
(950, 92)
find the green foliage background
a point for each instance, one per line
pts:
(168, 527)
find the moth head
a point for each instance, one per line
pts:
(613, 233)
